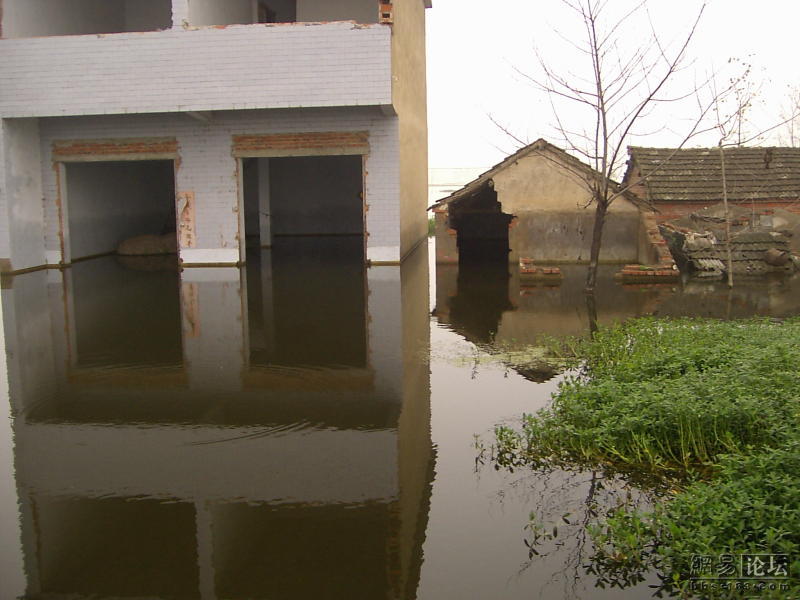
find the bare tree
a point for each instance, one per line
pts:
(734, 128)
(622, 88)
(790, 136)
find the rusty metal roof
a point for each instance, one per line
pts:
(695, 174)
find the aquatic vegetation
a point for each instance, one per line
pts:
(711, 411)
(668, 396)
(749, 508)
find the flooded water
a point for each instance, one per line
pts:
(299, 428)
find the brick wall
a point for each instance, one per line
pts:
(212, 68)
(669, 211)
(207, 167)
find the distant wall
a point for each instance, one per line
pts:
(251, 196)
(109, 202)
(316, 195)
(215, 12)
(361, 11)
(566, 236)
(147, 15)
(36, 18)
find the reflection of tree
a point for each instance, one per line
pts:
(568, 503)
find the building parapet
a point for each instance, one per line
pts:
(238, 67)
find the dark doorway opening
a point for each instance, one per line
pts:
(303, 196)
(109, 202)
(482, 228)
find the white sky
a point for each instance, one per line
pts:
(473, 47)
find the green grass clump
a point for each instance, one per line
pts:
(668, 396)
(751, 506)
(709, 409)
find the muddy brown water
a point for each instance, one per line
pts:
(299, 428)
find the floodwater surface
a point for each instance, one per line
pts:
(302, 427)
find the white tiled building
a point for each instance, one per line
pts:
(223, 120)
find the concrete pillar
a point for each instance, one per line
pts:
(385, 310)
(264, 215)
(22, 215)
(180, 13)
(29, 361)
(210, 202)
(12, 571)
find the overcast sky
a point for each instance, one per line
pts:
(476, 48)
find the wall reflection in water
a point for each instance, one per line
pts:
(491, 306)
(222, 433)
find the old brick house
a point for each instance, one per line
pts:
(536, 204)
(221, 119)
(680, 182)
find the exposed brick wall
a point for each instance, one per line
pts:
(206, 164)
(675, 210)
(234, 67)
(342, 142)
(111, 149)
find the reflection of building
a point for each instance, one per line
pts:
(173, 440)
(208, 117)
(512, 313)
(505, 313)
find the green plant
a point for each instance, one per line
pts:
(710, 411)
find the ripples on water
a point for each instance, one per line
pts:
(300, 428)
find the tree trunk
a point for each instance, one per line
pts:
(597, 238)
(727, 217)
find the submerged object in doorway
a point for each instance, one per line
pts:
(145, 245)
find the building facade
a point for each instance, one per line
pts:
(228, 122)
(537, 205)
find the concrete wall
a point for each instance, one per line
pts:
(554, 222)
(208, 169)
(197, 70)
(147, 15)
(29, 18)
(316, 195)
(566, 236)
(361, 11)
(409, 95)
(21, 192)
(109, 202)
(220, 12)
(285, 10)
(34, 18)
